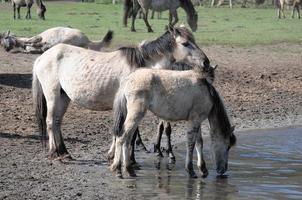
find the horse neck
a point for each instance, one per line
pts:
(218, 118)
(159, 51)
(39, 3)
(188, 7)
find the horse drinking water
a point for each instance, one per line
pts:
(91, 79)
(173, 96)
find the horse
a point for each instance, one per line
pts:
(91, 79)
(164, 126)
(296, 6)
(160, 5)
(28, 3)
(172, 96)
(49, 38)
(220, 2)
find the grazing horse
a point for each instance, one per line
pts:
(28, 3)
(160, 5)
(49, 38)
(220, 2)
(173, 96)
(91, 79)
(295, 3)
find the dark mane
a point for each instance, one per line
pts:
(218, 111)
(138, 56)
(188, 6)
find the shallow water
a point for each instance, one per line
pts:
(265, 164)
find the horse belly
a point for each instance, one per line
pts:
(161, 5)
(172, 108)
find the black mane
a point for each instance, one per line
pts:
(218, 111)
(138, 56)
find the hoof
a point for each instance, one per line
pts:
(130, 171)
(136, 166)
(205, 174)
(133, 30)
(192, 174)
(150, 31)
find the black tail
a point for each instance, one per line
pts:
(40, 107)
(120, 113)
(108, 37)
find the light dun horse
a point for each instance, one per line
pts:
(91, 79)
(295, 3)
(51, 37)
(173, 96)
(28, 3)
(160, 5)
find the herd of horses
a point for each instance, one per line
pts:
(169, 76)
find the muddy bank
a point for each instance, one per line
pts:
(262, 88)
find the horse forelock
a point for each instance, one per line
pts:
(218, 111)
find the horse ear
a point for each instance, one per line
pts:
(215, 67)
(8, 32)
(170, 29)
(177, 32)
(232, 129)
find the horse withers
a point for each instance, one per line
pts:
(41, 9)
(173, 96)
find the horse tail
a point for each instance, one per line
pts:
(40, 106)
(120, 113)
(105, 42)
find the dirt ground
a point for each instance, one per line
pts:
(261, 86)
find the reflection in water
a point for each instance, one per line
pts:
(264, 165)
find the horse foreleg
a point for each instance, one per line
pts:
(127, 8)
(191, 139)
(231, 4)
(168, 131)
(14, 6)
(200, 161)
(139, 141)
(110, 154)
(145, 17)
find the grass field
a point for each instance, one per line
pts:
(222, 26)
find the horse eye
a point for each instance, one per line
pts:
(186, 44)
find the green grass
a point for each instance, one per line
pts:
(222, 26)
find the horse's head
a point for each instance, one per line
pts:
(7, 41)
(41, 11)
(192, 21)
(221, 144)
(186, 50)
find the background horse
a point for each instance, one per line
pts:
(91, 79)
(160, 5)
(295, 3)
(51, 37)
(28, 3)
(173, 96)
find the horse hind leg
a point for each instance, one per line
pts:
(158, 139)
(56, 108)
(175, 16)
(145, 18)
(18, 10)
(28, 15)
(170, 153)
(14, 7)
